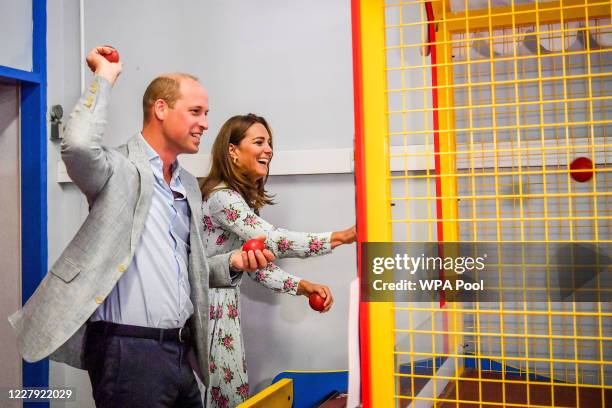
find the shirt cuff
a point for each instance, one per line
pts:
(234, 274)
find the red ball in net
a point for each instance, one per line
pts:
(253, 245)
(581, 169)
(316, 302)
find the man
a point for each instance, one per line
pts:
(128, 298)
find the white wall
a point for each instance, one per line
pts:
(288, 61)
(16, 38)
(282, 332)
(66, 205)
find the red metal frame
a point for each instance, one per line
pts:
(360, 185)
(360, 192)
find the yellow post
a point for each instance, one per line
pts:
(448, 162)
(378, 204)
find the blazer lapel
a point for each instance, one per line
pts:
(193, 194)
(137, 155)
(195, 201)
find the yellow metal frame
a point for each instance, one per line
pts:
(377, 171)
(378, 210)
(525, 14)
(447, 163)
(277, 395)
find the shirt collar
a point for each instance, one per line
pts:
(156, 162)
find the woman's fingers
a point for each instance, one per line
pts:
(326, 294)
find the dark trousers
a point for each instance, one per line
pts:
(136, 372)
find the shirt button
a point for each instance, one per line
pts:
(99, 299)
(121, 268)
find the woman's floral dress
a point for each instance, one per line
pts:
(228, 223)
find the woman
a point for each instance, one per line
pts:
(233, 193)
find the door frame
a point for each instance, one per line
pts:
(33, 171)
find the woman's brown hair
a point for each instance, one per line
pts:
(223, 170)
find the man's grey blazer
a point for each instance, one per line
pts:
(119, 185)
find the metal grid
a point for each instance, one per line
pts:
(484, 121)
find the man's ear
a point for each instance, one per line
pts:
(160, 109)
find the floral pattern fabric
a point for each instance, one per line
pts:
(229, 222)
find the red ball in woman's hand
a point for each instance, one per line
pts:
(253, 245)
(581, 169)
(316, 302)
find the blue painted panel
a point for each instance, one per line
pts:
(310, 388)
(33, 135)
(19, 75)
(422, 366)
(33, 207)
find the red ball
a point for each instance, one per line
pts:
(253, 245)
(316, 302)
(581, 169)
(113, 56)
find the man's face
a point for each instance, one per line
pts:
(185, 123)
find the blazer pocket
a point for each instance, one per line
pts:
(66, 270)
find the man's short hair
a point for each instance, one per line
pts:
(166, 87)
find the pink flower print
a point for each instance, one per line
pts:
(223, 401)
(212, 367)
(251, 221)
(232, 310)
(231, 214)
(289, 284)
(221, 239)
(228, 375)
(284, 245)
(315, 245)
(215, 392)
(211, 312)
(243, 390)
(208, 225)
(219, 312)
(260, 276)
(227, 341)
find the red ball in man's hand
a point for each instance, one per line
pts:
(253, 245)
(581, 169)
(113, 56)
(316, 302)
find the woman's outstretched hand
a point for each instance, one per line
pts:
(307, 288)
(347, 236)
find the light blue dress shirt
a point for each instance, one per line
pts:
(154, 289)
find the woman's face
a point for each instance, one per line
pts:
(254, 152)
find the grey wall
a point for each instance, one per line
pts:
(16, 38)
(282, 332)
(66, 205)
(289, 61)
